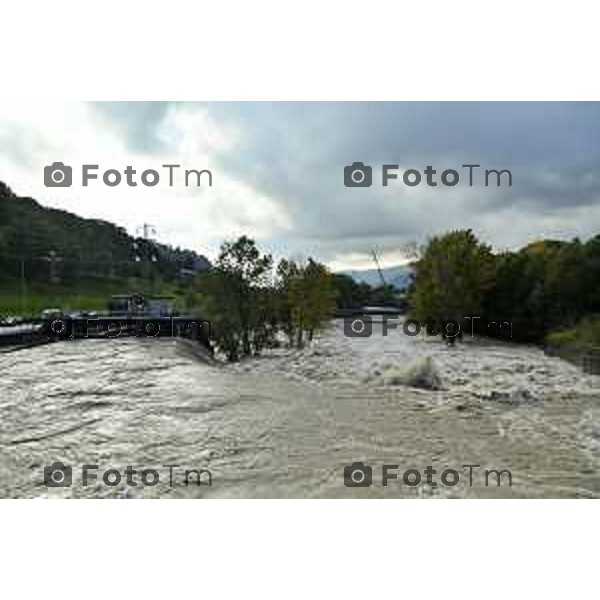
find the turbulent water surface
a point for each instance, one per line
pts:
(285, 425)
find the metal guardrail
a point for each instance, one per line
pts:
(19, 329)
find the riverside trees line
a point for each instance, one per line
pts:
(549, 291)
(250, 302)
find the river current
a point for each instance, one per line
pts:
(288, 423)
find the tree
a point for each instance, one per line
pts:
(307, 296)
(237, 298)
(319, 296)
(452, 277)
(349, 294)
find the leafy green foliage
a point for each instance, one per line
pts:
(249, 304)
(350, 294)
(236, 297)
(306, 294)
(52, 257)
(546, 286)
(452, 277)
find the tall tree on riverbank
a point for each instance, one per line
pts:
(236, 297)
(248, 304)
(307, 297)
(547, 285)
(452, 276)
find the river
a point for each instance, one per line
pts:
(286, 424)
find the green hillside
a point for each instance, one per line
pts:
(53, 258)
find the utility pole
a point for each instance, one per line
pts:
(147, 232)
(53, 259)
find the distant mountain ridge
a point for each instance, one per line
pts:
(399, 276)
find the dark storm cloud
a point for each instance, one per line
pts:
(295, 153)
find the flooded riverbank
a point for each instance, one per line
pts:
(286, 424)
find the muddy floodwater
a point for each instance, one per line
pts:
(286, 424)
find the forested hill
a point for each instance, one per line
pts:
(78, 247)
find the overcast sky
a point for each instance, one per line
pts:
(278, 171)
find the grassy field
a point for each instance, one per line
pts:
(90, 294)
